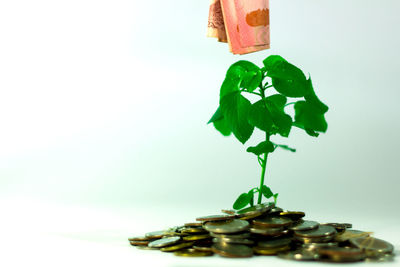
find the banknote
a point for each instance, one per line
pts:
(216, 25)
(246, 24)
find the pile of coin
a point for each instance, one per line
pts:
(267, 230)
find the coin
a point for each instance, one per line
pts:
(340, 227)
(192, 253)
(305, 225)
(202, 248)
(277, 231)
(275, 211)
(322, 239)
(232, 226)
(315, 246)
(177, 247)
(270, 251)
(340, 254)
(294, 215)
(196, 237)
(139, 238)
(243, 241)
(194, 224)
(348, 234)
(276, 242)
(193, 230)
(163, 242)
(256, 209)
(321, 231)
(272, 221)
(146, 248)
(238, 235)
(299, 255)
(232, 250)
(155, 234)
(213, 218)
(251, 216)
(230, 212)
(372, 246)
(139, 243)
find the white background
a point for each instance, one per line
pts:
(103, 111)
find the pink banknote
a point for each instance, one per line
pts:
(247, 25)
(216, 25)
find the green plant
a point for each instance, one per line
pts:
(237, 115)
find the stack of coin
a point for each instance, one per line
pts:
(267, 230)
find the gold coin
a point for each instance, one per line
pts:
(228, 240)
(294, 215)
(252, 216)
(259, 208)
(203, 248)
(272, 221)
(230, 212)
(322, 239)
(177, 247)
(194, 224)
(272, 232)
(139, 238)
(163, 242)
(192, 253)
(373, 247)
(299, 255)
(270, 251)
(196, 237)
(239, 235)
(275, 242)
(193, 230)
(139, 243)
(341, 254)
(315, 246)
(227, 227)
(232, 250)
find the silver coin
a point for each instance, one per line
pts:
(228, 240)
(299, 255)
(274, 243)
(163, 242)
(227, 227)
(155, 234)
(323, 230)
(256, 209)
(305, 225)
(272, 221)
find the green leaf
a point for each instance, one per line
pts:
(235, 109)
(261, 148)
(249, 74)
(312, 98)
(310, 118)
(270, 61)
(241, 201)
(266, 191)
(282, 121)
(218, 115)
(230, 85)
(251, 197)
(260, 117)
(278, 99)
(286, 147)
(287, 79)
(222, 126)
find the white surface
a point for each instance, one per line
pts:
(44, 234)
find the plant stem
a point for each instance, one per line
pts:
(264, 167)
(264, 161)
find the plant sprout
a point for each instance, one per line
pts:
(237, 115)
